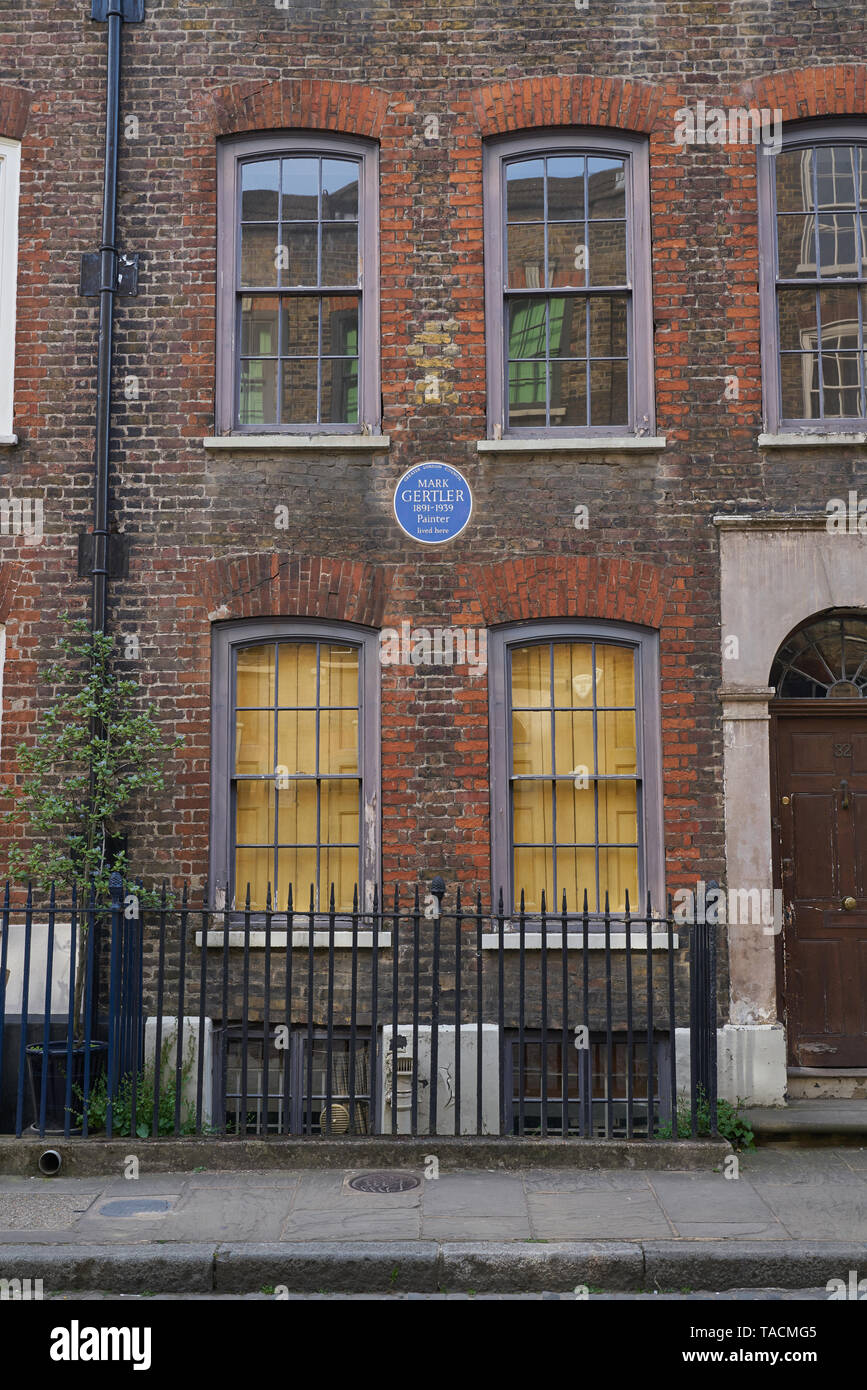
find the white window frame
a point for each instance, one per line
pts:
(10, 174)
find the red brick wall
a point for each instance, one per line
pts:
(204, 545)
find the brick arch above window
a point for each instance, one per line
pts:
(534, 102)
(14, 111)
(615, 589)
(838, 89)
(289, 104)
(270, 584)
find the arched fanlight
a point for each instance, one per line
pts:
(825, 659)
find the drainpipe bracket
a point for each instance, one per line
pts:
(130, 11)
(125, 277)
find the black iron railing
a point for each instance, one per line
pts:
(179, 1019)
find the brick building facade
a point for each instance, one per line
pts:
(229, 525)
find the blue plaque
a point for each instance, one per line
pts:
(433, 503)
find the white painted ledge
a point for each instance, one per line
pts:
(811, 441)
(332, 443)
(575, 941)
(341, 939)
(8, 440)
(576, 444)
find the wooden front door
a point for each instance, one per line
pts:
(819, 758)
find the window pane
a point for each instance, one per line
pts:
(254, 813)
(340, 254)
(255, 676)
(606, 253)
(340, 325)
(567, 254)
(573, 739)
(338, 676)
(256, 868)
(576, 813)
(618, 873)
(258, 392)
(339, 190)
(573, 673)
(618, 813)
(527, 328)
(606, 188)
(576, 873)
(609, 394)
(259, 327)
(300, 241)
(301, 325)
(841, 383)
(526, 257)
(300, 190)
(534, 874)
(339, 391)
(338, 741)
(616, 743)
(254, 741)
(337, 867)
(531, 743)
(296, 741)
(296, 813)
(260, 254)
(527, 393)
(259, 186)
(339, 812)
(568, 326)
(839, 254)
(797, 311)
(615, 675)
(569, 393)
(796, 248)
(297, 673)
(566, 187)
(531, 676)
(794, 176)
(799, 379)
(532, 821)
(525, 195)
(835, 176)
(839, 311)
(298, 868)
(608, 325)
(299, 390)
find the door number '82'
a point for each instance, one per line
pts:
(842, 750)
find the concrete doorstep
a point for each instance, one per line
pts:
(428, 1266)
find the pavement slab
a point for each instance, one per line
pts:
(791, 1217)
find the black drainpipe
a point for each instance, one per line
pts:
(106, 273)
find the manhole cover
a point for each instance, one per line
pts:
(135, 1207)
(385, 1182)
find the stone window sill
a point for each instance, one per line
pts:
(811, 441)
(342, 939)
(575, 444)
(8, 441)
(575, 941)
(332, 443)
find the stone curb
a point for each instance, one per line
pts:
(82, 1158)
(785, 1264)
(113, 1268)
(425, 1266)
